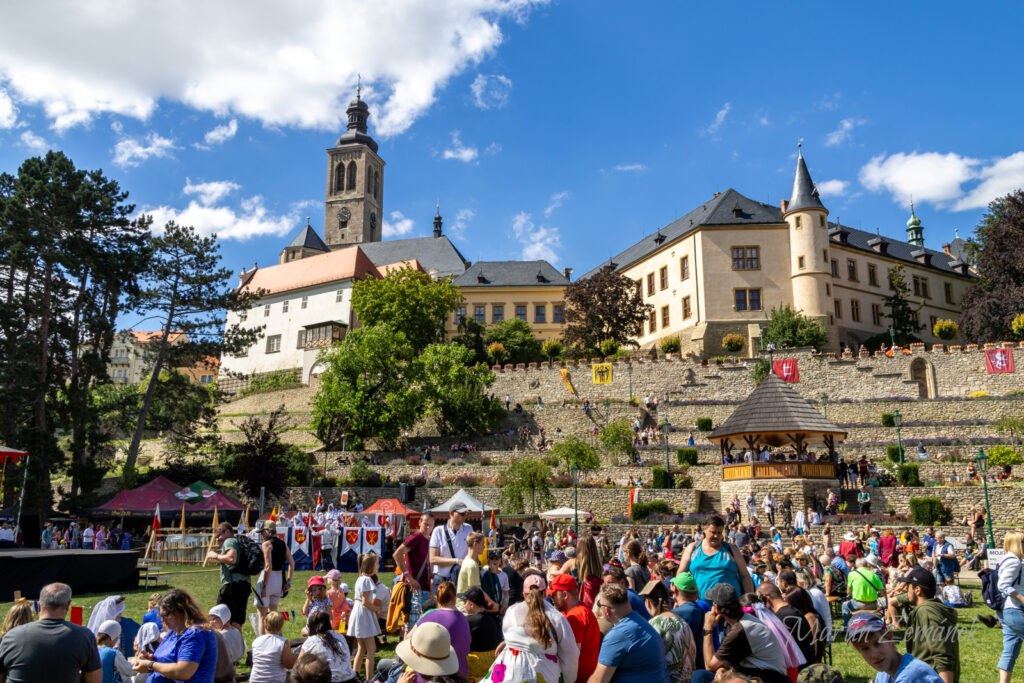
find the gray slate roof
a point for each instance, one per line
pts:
(308, 238)
(511, 274)
(805, 194)
(774, 406)
(433, 253)
(858, 239)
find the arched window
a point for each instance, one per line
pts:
(376, 185)
(351, 175)
(339, 178)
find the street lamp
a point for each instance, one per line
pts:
(629, 365)
(665, 427)
(824, 404)
(897, 420)
(606, 404)
(982, 462)
(575, 471)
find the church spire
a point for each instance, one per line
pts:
(437, 221)
(805, 194)
(915, 232)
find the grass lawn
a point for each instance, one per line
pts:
(979, 646)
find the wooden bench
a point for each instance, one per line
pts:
(147, 573)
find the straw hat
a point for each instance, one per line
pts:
(429, 651)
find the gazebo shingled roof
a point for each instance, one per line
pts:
(775, 414)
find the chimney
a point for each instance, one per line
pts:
(946, 251)
(567, 273)
(784, 205)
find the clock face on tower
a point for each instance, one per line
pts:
(344, 214)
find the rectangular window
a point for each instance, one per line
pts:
(921, 287)
(876, 315)
(828, 289)
(664, 317)
(746, 258)
(300, 339)
(540, 313)
(274, 343)
(266, 311)
(284, 306)
(801, 262)
(798, 223)
(855, 310)
(650, 284)
(888, 278)
(748, 299)
(663, 277)
(949, 292)
(521, 312)
(206, 379)
(835, 268)
(684, 268)
(741, 299)
(639, 287)
(652, 323)
(754, 296)
(339, 295)
(824, 255)
(305, 300)
(497, 313)
(851, 270)
(556, 313)
(460, 315)
(872, 275)
(838, 305)
(686, 308)
(480, 314)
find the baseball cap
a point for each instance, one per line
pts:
(863, 623)
(685, 582)
(493, 554)
(919, 576)
(111, 628)
(270, 525)
(315, 581)
(475, 594)
(534, 581)
(563, 582)
(222, 612)
(460, 508)
(333, 575)
(723, 595)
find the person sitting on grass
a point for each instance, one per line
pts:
(868, 635)
(327, 643)
(952, 595)
(112, 660)
(271, 656)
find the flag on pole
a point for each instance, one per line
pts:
(273, 514)
(319, 500)
(243, 521)
(156, 518)
(183, 517)
(634, 496)
(215, 520)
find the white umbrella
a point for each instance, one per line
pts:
(563, 513)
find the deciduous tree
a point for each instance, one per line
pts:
(455, 392)
(517, 339)
(606, 305)
(788, 327)
(525, 481)
(573, 451)
(618, 437)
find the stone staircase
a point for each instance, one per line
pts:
(710, 502)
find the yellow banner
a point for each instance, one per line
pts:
(602, 373)
(565, 378)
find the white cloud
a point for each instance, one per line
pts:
(463, 217)
(33, 142)
(1000, 178)
(460, 151)
(491, 91)
(280, 62)
(492, 149)
(843, 133)
(555, 202)
(921, 176)
(250, 219)
(130, 151)
(8, 114)
(398, 225)
(833, 188)
(212, 192)
(221, 134)
(626, 168)
(538, 241)
(830, 102)
(719, 119)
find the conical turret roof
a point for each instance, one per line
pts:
(805, 194)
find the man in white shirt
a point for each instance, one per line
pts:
(448, 545)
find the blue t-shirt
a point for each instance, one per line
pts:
(153, 617)
(840, 564)
(193, 645)
(693, 615)
(638, 604)
(912, 670)
(635, 649)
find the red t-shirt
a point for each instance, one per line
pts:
(419, 558)
(847, 548)
(588, 636)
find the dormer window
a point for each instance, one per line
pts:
(659, 238)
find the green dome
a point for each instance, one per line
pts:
(914, 222)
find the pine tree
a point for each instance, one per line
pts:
(903, 316)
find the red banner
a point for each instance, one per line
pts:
(998, 360)
(786, 370)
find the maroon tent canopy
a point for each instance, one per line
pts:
(145, 498)
(222, 502)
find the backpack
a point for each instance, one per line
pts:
(250, 557)
(838, 581)
(990, 587)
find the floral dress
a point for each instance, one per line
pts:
(525, 660)
(680, 648)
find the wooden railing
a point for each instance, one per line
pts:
(779, 470)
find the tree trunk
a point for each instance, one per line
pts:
(147, 400)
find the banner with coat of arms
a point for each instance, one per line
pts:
(362, 539)
(998, 360)
(787, 370)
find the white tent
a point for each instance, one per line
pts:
(564, 513)
(461, 496)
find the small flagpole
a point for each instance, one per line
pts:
(152, 535)
(213, 537)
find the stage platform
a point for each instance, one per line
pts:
(86, 571)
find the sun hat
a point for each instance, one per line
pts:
(850, 536)
(563, 582)
(429, 651)
(333, 575)
(111, 628)
(872, 559)
(270, 525)
(534, 581)
(315, 581)
(222, 612)
(685, 582)
(558, 556)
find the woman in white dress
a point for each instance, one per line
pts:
(539, 643)
(362, 622)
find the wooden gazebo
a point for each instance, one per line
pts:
(776, 415)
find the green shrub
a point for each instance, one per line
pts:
(682, 481)
(929, 511)
(761, 370)
(892, 451)
(609, 347)
(733, 342)
(671, 344)
(687, 456)
(705, 424)
(1003, 455)
(552, 348)
(1018, 326)
(271, 381)
(945, 329)
(888, 420)
(909, 474)
(661, 478)
(642, 511)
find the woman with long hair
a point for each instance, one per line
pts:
(589, 569)
(676, 636)
(539, 643)
(454, 621)
(637, 573)
(325, 642)
(362, 621)
(189, 651)
(20, 613)
(1011, 586)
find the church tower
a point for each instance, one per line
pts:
(353, 208)
(810, 267)
(915, 232)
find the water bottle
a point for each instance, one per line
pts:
(415, 607)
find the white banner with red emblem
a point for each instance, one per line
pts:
(362, 539)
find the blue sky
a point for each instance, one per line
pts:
(559, 130)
